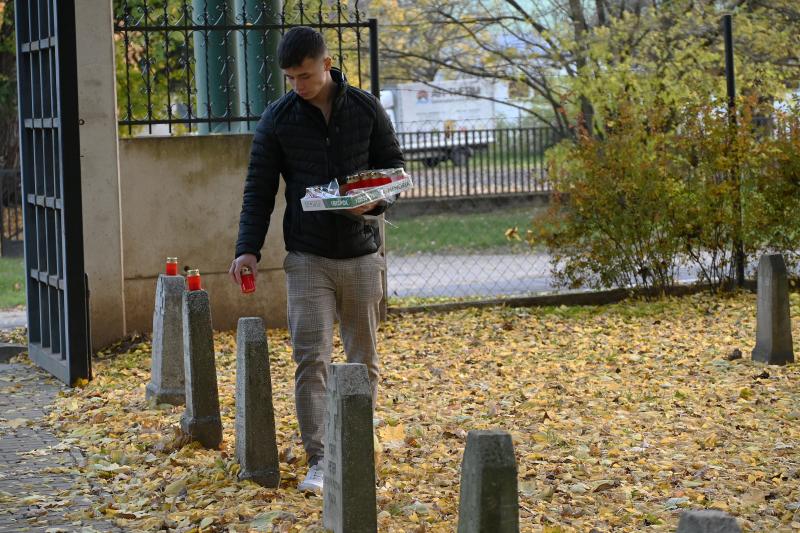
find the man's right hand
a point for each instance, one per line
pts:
(248, 260)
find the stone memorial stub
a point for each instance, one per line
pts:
(256, 447)
(167, 382)
(488, 496)
(349, 504)
(201, 420)
(773, 324)
(707, 521)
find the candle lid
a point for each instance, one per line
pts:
(193, 272)
(172, 259)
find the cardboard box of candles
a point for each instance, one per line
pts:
(357, 189)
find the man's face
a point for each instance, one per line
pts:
(308, 79)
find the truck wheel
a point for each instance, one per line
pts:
(430, 162)
(460, 156)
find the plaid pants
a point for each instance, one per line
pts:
(318, 291)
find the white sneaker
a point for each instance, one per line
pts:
(313, 480)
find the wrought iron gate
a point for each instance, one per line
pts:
(58, 335)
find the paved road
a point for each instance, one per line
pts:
(486, 276)
(33, 461)
(13, 318)
(428, 275)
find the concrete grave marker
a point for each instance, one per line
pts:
(707, 521)
(256, 448)
(488, 502)
(166, 382)
(349, 504)
(201, 419)
(773, 325)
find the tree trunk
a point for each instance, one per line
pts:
(580, 27)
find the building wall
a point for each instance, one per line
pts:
(181, 196)
(100, 187)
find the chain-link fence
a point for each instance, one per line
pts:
(448, 237)
(458, 249)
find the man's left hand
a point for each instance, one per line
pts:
(366, 208)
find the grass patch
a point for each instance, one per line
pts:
(12, 282)
(455, 233)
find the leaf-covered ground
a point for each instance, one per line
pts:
(621, 417)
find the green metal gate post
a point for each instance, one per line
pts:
(211, 64)
(259, 77)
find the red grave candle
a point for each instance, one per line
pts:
(248, 280)
(193, 280)
(172, 266)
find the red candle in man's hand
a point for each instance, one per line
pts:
(248, 280)
(193, 280)
(172, 266)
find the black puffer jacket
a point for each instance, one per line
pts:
(293, 140)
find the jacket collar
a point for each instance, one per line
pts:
(340, 80)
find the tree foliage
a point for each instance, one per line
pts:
(582, 59)
(663, 188)
(9, 143)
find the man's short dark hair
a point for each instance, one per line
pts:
(298, 44)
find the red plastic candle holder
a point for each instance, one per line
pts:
(172, 266)
(248, 280)
(193, 280)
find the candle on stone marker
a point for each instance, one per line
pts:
(172, 266)
(193, 279)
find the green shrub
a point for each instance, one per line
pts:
(667, 187)
(612, 221)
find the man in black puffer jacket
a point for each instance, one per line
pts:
(322, 130)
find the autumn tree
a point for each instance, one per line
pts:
(584, 58)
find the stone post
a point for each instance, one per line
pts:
(166, 382)
(349, 504)
(201, 419)
(256, 448)
(706, 521)
(488, 500)
(773, 327)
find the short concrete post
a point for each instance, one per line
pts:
(166, 382)
(201, 419)
(349, 503)
(488, 502)
(256, 447)
(773, 325)
(706, 521)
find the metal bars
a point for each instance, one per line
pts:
(210, 66)
(477, 162)
(51, 187)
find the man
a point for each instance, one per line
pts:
(321, 130)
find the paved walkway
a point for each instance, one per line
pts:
(33, 461)
(13, 318)
(478, 275)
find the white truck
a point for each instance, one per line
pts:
(442, 120)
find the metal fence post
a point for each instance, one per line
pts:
(374, 72)
(738, 245)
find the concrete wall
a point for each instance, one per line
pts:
(100, 189)
(181, 196)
